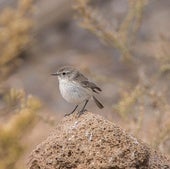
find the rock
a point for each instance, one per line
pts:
(91, 142)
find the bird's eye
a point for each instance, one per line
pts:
(64, 73)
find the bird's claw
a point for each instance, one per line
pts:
(81, 112)
(67, 114)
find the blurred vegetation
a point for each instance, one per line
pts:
(127, 101)
(15, 35)
(163, 56)
(149, 95)
(23, 117)
(121, 38)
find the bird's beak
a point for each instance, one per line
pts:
(55, 74)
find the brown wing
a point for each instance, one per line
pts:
(85, 83)
(91, 85)
(80, 77)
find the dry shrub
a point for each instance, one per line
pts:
(120, 38)
(163, 55)
(128, 101)
(15, 26)
(134, 108)
(24, 115)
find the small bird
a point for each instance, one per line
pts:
(76, 88)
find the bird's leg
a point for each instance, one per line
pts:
(83, 109)
(67, 114)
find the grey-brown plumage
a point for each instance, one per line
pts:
(76, 88)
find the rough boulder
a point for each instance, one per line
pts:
(92, 142)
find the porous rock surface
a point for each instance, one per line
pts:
(91, 142)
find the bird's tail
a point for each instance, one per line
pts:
(98, 103)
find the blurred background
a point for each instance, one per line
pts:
(122, 45)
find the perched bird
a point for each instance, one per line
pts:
(76, 88)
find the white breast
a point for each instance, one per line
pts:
(72, 92)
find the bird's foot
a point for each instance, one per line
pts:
(81, 112)
(68, 114)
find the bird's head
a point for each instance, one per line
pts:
(66, 72)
